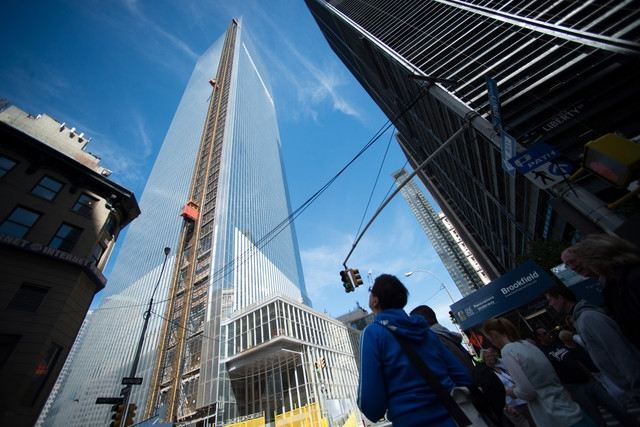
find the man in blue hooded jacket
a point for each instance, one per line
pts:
(389, 382)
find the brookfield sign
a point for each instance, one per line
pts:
(508, 292)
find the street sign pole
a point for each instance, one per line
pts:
(136, 360)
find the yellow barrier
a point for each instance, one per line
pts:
(352, 421)
(305, 416)
(253, 422)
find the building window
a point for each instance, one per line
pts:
(47, 188)
(84, 205)
(28, 298)
(6, 164)
(66, 237)
(41, 374)
(8, 343)
(19, 222)
(97, 252)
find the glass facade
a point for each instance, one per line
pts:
(425, 64)
(236, 248)
(233, 334)
(305, 361)
(107, 349)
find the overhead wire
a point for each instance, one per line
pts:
(225, 270)
(373, 189)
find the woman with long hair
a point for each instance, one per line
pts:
(535, 379)
(616, 263)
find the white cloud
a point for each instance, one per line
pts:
(147, 145)
(313, 84)
(394, 252)
(134, 9)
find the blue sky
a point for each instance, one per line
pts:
(116, 70)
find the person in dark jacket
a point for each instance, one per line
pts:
(582, 386)
(609, 349)
(389, 382)
(451, 340)
(616, 263)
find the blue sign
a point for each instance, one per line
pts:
(535, 156)
(561, 167)
(510, 291)
(508, 151)
(494, 103)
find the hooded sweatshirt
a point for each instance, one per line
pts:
(453, 342)
(610, 351)
(389, 381)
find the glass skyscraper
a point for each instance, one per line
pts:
(426, 63)
(233, 337)
(462, 266)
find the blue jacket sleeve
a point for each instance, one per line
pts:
(372, 391)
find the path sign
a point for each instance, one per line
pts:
(542, 177)
(534, 157)
(561, 167)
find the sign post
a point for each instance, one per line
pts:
(507, 142)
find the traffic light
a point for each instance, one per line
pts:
(131, 414)
(346, 281)
(116, 417)
(453, 318)
(356, 278)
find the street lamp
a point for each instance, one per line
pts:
(442, 285)
(147, 314)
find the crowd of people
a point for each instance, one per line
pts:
(416, 372)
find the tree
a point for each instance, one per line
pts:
(545, 253)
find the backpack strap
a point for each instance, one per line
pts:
(452, 407)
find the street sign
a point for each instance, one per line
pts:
(542, 177)
(132, 381)
(494, 103)
(508, 151)
(109, 400)
(534, 157)
(561, 167)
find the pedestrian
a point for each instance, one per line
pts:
(578, 380)
(513, 409)
(616, 263)
(389, 381)
(535, 380)
(451, 340)
(610, 351)
(575, 345)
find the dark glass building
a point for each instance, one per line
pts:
(566, 74)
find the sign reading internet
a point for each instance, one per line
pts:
(508, 292)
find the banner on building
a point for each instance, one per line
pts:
(508, 292)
